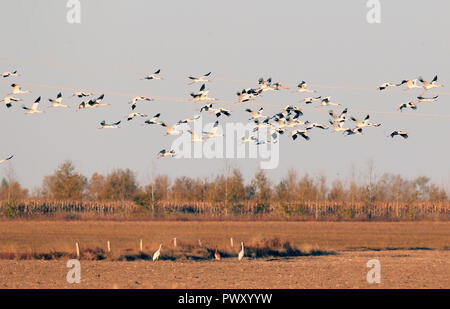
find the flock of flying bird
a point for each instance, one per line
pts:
(275, 125)
(413, 84)
(278, 124)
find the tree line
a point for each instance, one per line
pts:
(66, 183)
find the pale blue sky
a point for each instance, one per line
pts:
(326, 43)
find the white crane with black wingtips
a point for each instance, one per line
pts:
(403, 134)
(9, 99)
(10, 74)
(16, 89)
(157, 254)
(201, 79)
(34, 108)
(58, 101)
(105, 125)
(155, 75)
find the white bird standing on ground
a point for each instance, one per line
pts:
(427, 86)
(34, 107)
(105, 125)
(241, 253)
(138, 98)
(411, 105)
(8, 101)
(157, 253)
(423, 99)
(155, 75)
(57, 102)
(403, 134)
(17, 90)
(170, 130)
(201, 79)
(302, 87)
(6, 159)
(217, 255)
(10, 74)
(164, 153)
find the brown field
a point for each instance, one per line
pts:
(399, 269)
(412, 254)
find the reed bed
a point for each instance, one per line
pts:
(188, 210)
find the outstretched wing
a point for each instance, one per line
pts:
(35, 106)
(6, 159)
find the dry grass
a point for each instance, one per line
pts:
(53, 239)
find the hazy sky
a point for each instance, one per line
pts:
(329, 44)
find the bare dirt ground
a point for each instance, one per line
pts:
(346, 269)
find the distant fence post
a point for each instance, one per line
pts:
(78, 249)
